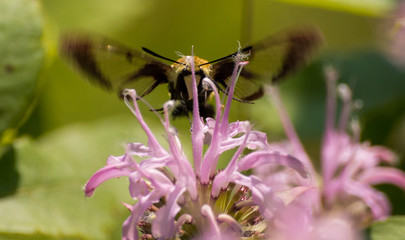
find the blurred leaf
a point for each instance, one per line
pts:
(41, 183)
(380, 87)
(21, 59)
(391, 229)
(362, 7)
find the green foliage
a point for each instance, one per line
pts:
(41, 182)
(21, 59)
(391, 229)
(363, 7)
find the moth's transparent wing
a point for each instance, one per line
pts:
(113, 66)
(284, 53)
(270, 60)
(248, 87)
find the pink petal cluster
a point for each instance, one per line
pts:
(186, 195)
(350, 168)
(342, 201)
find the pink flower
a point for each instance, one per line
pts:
(175, 200)
(350, 168)
(343, 200)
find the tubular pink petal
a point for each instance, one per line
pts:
(265, 198)
(375, 200)
(220, 130)
(128, 206)
(234, 227)
(185, 218)
(238, 127)
(153, 144)
(232, 165)
(105, 174)
(346, 95)
(333, 189)
(210, 159)
(298, 149)
(129, 230)
(331, 79)
(379, 175)
(155, 162)
(220, 181)
(160, 183)
(216, 95)
(197, 137)
(263, 195)
(138, 187)
(163, 226)
(196, 112)
(179, 165)
(327, 144)
(230, 174)
(337, 150)
(222, 178)
(180, 161)
(258, 158)
(213, 226)
(235, 74)
(138, 149)
(256, 140)
(384, 154)
(113, 160)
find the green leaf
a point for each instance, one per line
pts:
(391, 229)
(41, 183)
(22, 54)
(361, 7)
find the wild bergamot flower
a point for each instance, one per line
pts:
(175, 200)
(342, 200)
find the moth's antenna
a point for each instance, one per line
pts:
(159, 56)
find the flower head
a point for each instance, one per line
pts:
(343, 199)
(175, 200)
(350, 167)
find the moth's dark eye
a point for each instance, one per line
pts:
(186, 72)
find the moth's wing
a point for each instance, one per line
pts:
(112, 66)
(270, 60)
(279, 55)
(248, 87)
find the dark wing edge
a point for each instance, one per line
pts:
(299, 45)
(295, 48)
(112, 66)
(78, 50)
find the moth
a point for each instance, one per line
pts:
(115, 67)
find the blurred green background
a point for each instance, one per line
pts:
(57, 129)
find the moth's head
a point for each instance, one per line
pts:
(184, 64)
